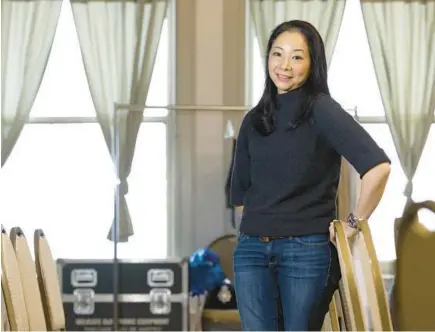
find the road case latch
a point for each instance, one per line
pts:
(84, 301)
(160, 301)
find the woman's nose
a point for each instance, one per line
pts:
(285, 64)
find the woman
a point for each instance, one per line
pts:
(285, 178)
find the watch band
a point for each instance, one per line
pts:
(352, 221)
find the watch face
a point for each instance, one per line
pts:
(352, 221)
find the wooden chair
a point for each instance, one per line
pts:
(414, 290)
(11, 286)
(5, 319)
(374, 285)
(29, 281)
(224, 247)
(349, 293)
(331, 322)
(48, 283)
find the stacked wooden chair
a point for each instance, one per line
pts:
(29, 281)
(31, 298)
(17, 316)
(414, 289)
(350, 296)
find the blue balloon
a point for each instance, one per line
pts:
(205, 271)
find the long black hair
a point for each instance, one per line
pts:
(263, 114)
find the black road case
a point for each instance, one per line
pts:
(152, 294)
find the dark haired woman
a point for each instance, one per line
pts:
(285, 178)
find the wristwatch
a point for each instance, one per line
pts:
(352, 221)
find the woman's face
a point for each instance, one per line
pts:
(289, 61)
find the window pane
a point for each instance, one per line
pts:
(424, 180)
(158, 94)
(60, 178)
(352, 80)
(257, 72)
(64, 90)
(393, 201)
(147, 198)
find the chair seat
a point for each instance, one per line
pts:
(216, 315)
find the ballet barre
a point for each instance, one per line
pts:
(121, 107)
(141, 108)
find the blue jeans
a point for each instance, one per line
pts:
(286, 283)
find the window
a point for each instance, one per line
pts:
(60, 177)
(352, 82)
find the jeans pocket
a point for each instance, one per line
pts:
(313, 240)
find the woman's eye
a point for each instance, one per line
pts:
(276, 54)
(297, 57)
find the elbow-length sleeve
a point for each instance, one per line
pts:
(241, 175)
(346, 136)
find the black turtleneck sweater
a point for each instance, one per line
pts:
(288, 181)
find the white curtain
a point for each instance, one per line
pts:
(325, 15)
(401, 36)
(119, 41)
(28, 29)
